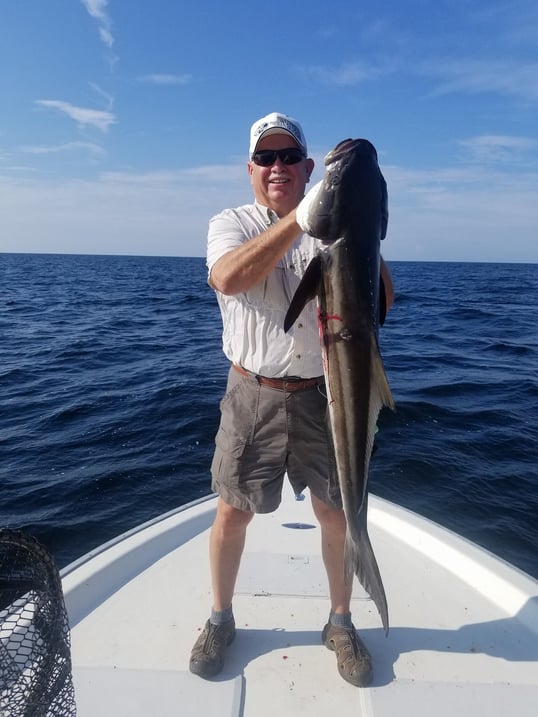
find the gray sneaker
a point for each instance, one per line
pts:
(353, 659)
(207, 656)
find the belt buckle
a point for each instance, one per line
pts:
(293, 384)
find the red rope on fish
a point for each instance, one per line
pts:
(323, 319)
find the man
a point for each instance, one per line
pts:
(256, 257)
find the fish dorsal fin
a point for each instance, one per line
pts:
(307, 290)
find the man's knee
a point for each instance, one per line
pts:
(332, 519)
(230, 518)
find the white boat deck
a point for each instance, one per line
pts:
(463, 638)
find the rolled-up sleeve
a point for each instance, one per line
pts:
(224, 234)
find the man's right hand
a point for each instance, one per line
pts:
(307, 208)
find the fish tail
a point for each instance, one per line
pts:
(359, 559)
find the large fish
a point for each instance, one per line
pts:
(350, 217)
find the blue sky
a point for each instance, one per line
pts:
(124, 124)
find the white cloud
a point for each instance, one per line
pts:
(515, 79)
(105, 95)
(346, 75)
(498, 148)
(152, 213)
(94, 149)
(467, 213)
(21, 168)
(97, 10)
(83, 116)
(165, 79)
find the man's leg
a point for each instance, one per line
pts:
(226, 543)
(333, 535)
(339, 634)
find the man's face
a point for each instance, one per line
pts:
(279, 186)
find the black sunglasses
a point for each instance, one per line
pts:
(267, 157)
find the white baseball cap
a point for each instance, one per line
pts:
(276, 123)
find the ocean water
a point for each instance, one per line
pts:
(111, 372)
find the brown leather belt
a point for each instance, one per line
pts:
(282, 384)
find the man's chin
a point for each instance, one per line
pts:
(283, 199)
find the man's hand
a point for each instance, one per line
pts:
(307, 208)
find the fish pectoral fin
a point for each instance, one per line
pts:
(307, 290)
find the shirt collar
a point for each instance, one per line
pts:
(269, 215)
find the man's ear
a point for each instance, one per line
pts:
(309, 168)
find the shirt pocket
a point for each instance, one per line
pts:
(275, 292)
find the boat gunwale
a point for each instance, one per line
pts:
(102, 571)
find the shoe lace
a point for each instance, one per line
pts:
(351, 648)
(215, 637)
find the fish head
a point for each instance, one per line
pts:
(349, 170)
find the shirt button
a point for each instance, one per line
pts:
(299, 326)
(298, 356)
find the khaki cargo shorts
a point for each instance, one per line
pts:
(265, 432)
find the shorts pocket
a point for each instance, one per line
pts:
(239, 410)
(229, 443)
(226, 464)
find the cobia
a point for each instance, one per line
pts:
(349, 215)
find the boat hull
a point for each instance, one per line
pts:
(463, 635)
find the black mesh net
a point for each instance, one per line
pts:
(35, 655)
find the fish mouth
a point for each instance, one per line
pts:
(349, 145)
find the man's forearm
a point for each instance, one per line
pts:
(242, 268)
